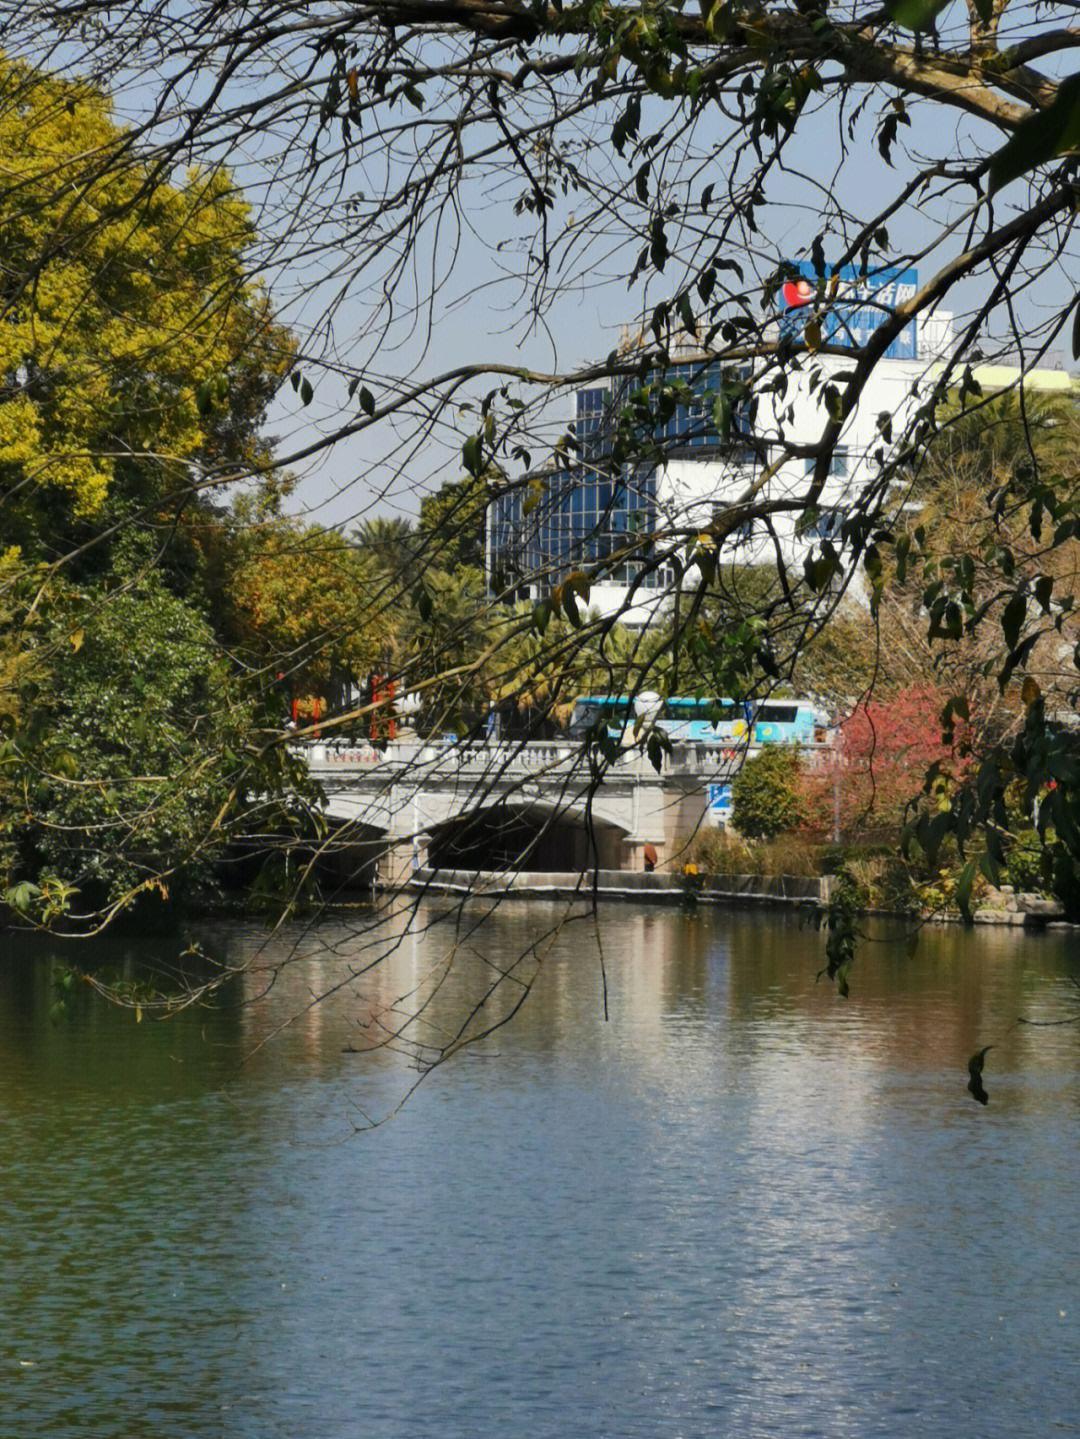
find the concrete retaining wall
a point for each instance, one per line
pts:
(736, 889)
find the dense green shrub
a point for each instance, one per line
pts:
(143, 762)
(1045, 868)
(766, 794)
(1065, 882)
(1028, 863)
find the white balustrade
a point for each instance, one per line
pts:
(505, 757)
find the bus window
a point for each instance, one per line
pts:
(704, 711)
(686, 710)
(777, 713)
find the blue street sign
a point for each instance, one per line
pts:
(720, 802)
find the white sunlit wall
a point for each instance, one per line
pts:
(691, 489)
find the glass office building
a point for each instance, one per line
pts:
(593, 511)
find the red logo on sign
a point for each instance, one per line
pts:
(797, 292)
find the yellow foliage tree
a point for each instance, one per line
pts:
(301, 601)
(134, 353)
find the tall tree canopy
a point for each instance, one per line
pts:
(137, 357)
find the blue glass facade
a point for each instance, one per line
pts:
(838, 464)
(576, 517)
(692, 427)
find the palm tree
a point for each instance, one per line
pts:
(390, 541)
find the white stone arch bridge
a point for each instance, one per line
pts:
(489, 806)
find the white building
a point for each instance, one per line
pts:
(583, 517)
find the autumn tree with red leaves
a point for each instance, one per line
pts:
(885, 748)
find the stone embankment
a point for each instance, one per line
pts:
(657, 887)
(1002, 907)
(1009, 906)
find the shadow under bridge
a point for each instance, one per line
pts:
(530, 836)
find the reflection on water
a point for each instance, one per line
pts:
(739, 1206)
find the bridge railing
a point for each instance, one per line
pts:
(402, 757)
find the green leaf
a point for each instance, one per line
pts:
(22, 895)
(975, 1069)
(964, 887)
(1040, 138)
(722, 414)
(969, 385)
(819, 571)
(956, 705)
(655, 751)
(903, 550)
(424, 604)
(65, 762)
(578, 583)
(626, 127)
(307, 393)
(1012, 619)
(686, 313)
(537, 490)
(990, 868)
(914, 14)
(946, 620)
(472, 454)
(658, 243)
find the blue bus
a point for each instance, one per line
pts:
(707, 721)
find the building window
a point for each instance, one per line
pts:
(825, 525)
(838, 464)
(690, 425)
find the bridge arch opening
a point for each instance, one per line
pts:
(530, 838)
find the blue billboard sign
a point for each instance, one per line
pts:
(861, 305)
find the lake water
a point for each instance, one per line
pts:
(737, 1206)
